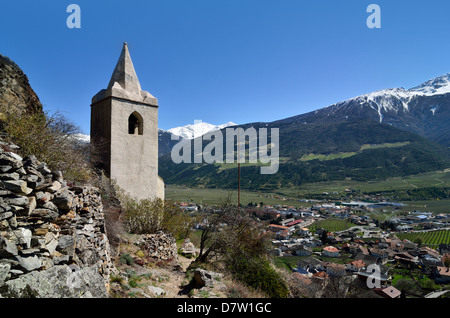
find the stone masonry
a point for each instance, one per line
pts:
(124, 132)
(53, 241)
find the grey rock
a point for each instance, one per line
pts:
(18, 200)
(158, 291)
(6, 215)
(203, 278)
(51, 246)
(21, 236)
(16, 186)
(29, 263)
(4, 272)
(64, 199)
(57, 282)
(55, 186)
(66, 245)
(5, 168)
(7, 248)
(10, 176)
(45, 213)
(43, 169)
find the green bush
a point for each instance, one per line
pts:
(126, 259)
(52, 139)
(260, 275)
(150, 216)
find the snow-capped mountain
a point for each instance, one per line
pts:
(197, 129)
(83, 138)
(423, 109)
(435, 86)
(165, 141)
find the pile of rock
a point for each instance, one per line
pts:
(49, 230)
(159, 247)
(188, 249)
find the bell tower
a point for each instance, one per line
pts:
(124, 132)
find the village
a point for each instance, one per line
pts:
(313, 252)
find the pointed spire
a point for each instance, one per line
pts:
(124, 73)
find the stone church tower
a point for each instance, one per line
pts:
(124, 132)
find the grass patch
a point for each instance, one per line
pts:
(342, 155)
(332, 225)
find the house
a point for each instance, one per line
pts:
(356, 266)
(320, 275)
(368, 259)
(334, 269)
(429, 251)
(303, 250)
(358, 248)
(263, 213)
(441, 274)
(405, 258)
(367, 276)
(286, 221)
(382, 254)
(429, 263)
(277, 228)
(330, 251)
(404, 228)
(294, 223)
(311, 264)
(304, 231)
(408, 245)
(388, 292)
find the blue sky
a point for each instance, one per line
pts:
(225, 60)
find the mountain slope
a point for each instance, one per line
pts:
(197, 129)
(322, 152)
(392, 132)
(424, 109)
(165, 142)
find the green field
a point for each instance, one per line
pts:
(430, 238)
(219, 196)
(429, 179)
(342, 155)
(332, 225)
(290, 196)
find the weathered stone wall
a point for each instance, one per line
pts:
(53, 240)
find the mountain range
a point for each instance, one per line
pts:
(391, 132)
(424, 109)
(166, 142)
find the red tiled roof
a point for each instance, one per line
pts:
(443, 271)
(358, 263)
(294, 222)
(389, 291)
(279, 227)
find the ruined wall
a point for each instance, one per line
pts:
(53, 240)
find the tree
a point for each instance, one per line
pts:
(235, 241)
(149, 216)
(52, 139)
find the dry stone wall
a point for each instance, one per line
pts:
(53, 240)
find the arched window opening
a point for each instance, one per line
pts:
(135, 124)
